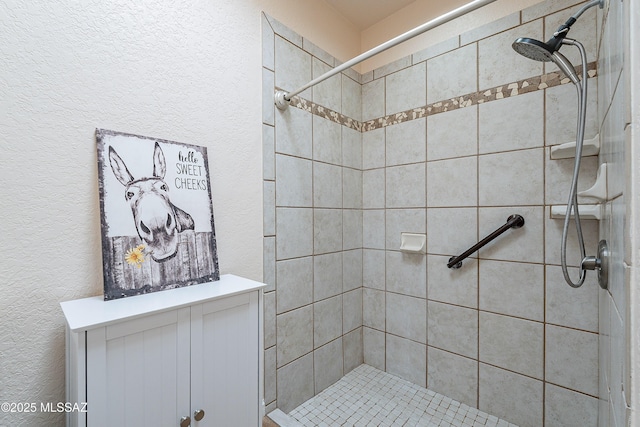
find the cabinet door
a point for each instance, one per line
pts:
(224, 362)
(138, 371)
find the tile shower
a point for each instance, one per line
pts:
(448, 141)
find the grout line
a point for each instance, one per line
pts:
(477, 266)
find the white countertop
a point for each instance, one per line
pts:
(94, 312)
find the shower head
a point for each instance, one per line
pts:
(544, 52)
(533, 49)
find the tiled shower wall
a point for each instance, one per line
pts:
(615, 128)
(313, 225)
(449, 142)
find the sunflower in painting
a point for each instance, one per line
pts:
(135, 256)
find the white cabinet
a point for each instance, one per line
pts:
(155, 359)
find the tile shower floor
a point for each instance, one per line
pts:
(369, 397)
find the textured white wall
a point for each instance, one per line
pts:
(184, 71)
(188, 71)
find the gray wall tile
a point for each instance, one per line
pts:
(374, 348)
(293, 182)
(566, 407)
(351, 98)
(520, 181)
(459, 287)
(351, 148)
(453, 375)
(373, 235)
(513, 397)
(373, 100)
(294, 334)
(571, 307)
(453, 328)
(352, 345)
(293, 67)
(351, 310)
(406, 317)
(327, 141)
(327, 367)
(512, 123)
(406, 143)
(327, 185)
(351, 229)
(453, 133)
(352, 270)
(327, 275)
(572, 359)
(512, 343)
(294, 228)
(407, 359)
(327, 230)
(403, 220)
(406, 89)
(463, 64)
(520, 244)
(452, 182)
(295, 383)
(327, 320)
(512, 288)
(373, 149)
(508, 66)
(270, 375)
(490, 29)
(293, 132)
(295, 283)
(406, 274)
(441, 222)
(373, 309)
(329, 92)
(405, 186)
(373, 269)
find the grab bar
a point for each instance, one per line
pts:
(514, 221)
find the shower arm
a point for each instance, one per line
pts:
(583, 9)
(556, 41)
(283, 98)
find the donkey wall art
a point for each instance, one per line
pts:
(149, 243)
(157, 220)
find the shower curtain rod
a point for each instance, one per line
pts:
(282, 98)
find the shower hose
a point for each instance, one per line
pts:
(572, 203)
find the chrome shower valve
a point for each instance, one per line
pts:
(600, 263)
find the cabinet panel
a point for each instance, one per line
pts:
(225, 361)
(146, 374)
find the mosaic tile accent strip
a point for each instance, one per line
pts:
(500, 92)
(369, 397)
(326, 113)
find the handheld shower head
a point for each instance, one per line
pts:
(543, 52)
(533, 49)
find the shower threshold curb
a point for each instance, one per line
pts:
(282, 419)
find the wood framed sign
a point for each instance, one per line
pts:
(156, 214)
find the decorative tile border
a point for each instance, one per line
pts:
(499, 92)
